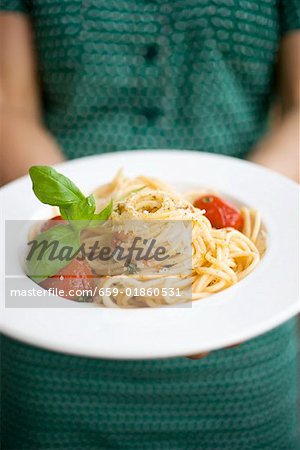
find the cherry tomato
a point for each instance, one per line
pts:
(50, 223)
(77, 275)
(220, 213)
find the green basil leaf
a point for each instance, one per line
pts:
(51, 251)
(105, 213)
(53, 188)
(79, 214)
(82, 210)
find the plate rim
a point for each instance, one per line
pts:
(137, 354)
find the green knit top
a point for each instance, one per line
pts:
(193, 74)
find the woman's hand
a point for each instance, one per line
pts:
(24, 139)
(204, 354)
(198, 356)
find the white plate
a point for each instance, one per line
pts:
(263, 300)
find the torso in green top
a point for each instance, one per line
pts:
(157, 74)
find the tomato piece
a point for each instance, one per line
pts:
(51, 223)
(220, 213)
(77, 275)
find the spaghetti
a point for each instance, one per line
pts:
(220, 256)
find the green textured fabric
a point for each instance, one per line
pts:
(194, 74)
(115, 75)
(242, 398)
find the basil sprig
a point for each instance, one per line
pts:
(53, 188)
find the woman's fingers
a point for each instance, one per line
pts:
(234, 345)
(204, 354)
(198, 356)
